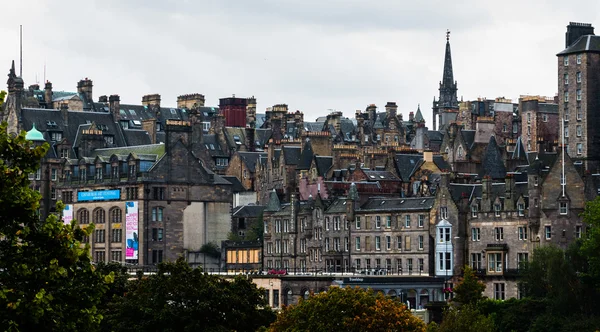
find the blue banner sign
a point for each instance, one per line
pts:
(98, 195)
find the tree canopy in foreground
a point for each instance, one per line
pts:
(47, 281)
(347, 309)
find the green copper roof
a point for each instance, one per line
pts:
(34, 135)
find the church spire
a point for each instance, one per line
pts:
(448, 79)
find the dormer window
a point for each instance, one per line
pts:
(132, 170)
(99, 172)
(83, 173)
(55, 136)
(497, 209)
(474, 210)
(109, 140)
(521, 209)
(115, 172)
(64, 153)
(563, 208)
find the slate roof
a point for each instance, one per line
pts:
(260, 120)
(273, 205)
(235, 137)
(236, 185)
(248, 211)
(262, 136)
(136, 137)
(398, 204)
(548, 108)
(313, 126)
(337, 206)
(459, 190)
(493, 163)
(380, 175)
(151, 150)
(441, 163)
(291, 155)
(468, 137)
(251, 159)
(418, 116)
(324, 164)
(519, 152)
(211, 143)
(407, 164)
(306, 157)
(587, 43)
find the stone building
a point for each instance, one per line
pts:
(578, 88)
(540, 121)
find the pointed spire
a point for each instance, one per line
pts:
(448, 78)
(12, 70)
(448, 97)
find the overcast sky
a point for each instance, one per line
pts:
(314, 55)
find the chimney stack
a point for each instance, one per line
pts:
(576, 30)
(48, 94)
(149, 125)
(188, 101)
(84, 87)
(151, 100)
(114, 104)
(391, 109)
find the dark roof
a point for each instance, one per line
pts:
(136, 137)
(236, 185)
(337, 206)
(262, 136)
(273, 205)
(380, 175)
(211, 143)
(468, 137)
(459, 190)
(324, 164)
(306, 157)
(260, 120)
(248, 211)
(519, 152)
(435, 135)
(251, 159)
(548, 108)
(587, 43)
(291, 155)
(313, 126)
(398, 204)
(418, 116)
(493, 164)
(407, 164)
(441, 163)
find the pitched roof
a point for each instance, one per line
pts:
(136, 137)
(324, 164)
(248, 211)
(468, 137)
(407, 164)
(155, 150)
(587, 43)
(306, 156)
(441, 163)
(251, 159)
(236, 185)
(291, 155)
(398, 204)
(519, 152)
(380, 175)
(493, 164)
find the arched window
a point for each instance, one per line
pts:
(306, 294)
(83, 216)
(460, 152)
(288, 297)
(99, 216)
(115, 215)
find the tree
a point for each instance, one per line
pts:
(590, 246)
(47, 281)
(179, 298)
(347, 309)
(465, 319)
(469, 290)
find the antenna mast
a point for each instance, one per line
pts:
(21, 51)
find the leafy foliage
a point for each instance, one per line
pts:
(347, 309)
(210, 249)
(179, 298)
(469, 290)
(46, 277)
(467, 318)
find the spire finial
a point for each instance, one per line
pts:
(447, 34)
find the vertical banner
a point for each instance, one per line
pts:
(131, 230)
(67, 214)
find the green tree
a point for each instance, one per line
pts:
(590, 247)
(347, 309)
(47, 281)
(469, 290)
(179, 298)
(465, 319)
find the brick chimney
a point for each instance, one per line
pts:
(151, 100)
(48, 94)
(85, 87)
(391, 109)
(114, 104)
(576, 30)
(149, 125)
(188, 101)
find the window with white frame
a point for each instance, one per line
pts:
(578, 94)
(578, 59)
(388, 221)
(499, 233)
(521, 209)
(476, 261)
(399, 242)
(579, 130)
(579, 148)
(579, 114)
(522, 232)
(474, 210)
(528, 117)
(357, 244)
(563, 208)
(548, 232)
(522, 258)
(378, 222)
(545, 117)
(497, 209)
(407, 221)
(445, 261)
(498, 291)
(377, 243)
(578, 76)
(388, 242)
(578, 229)
(495, 262)
(357, 223)
(566, 78)
(475, 234)
(566, 60)
(421, 220)
(421, 242)
(326, 244)
(327, 223)
(566, 98)
(444, 212)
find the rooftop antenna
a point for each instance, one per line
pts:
(447, 34)
(44, 71)
(21, 51)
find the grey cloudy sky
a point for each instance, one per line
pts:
(312, 55)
